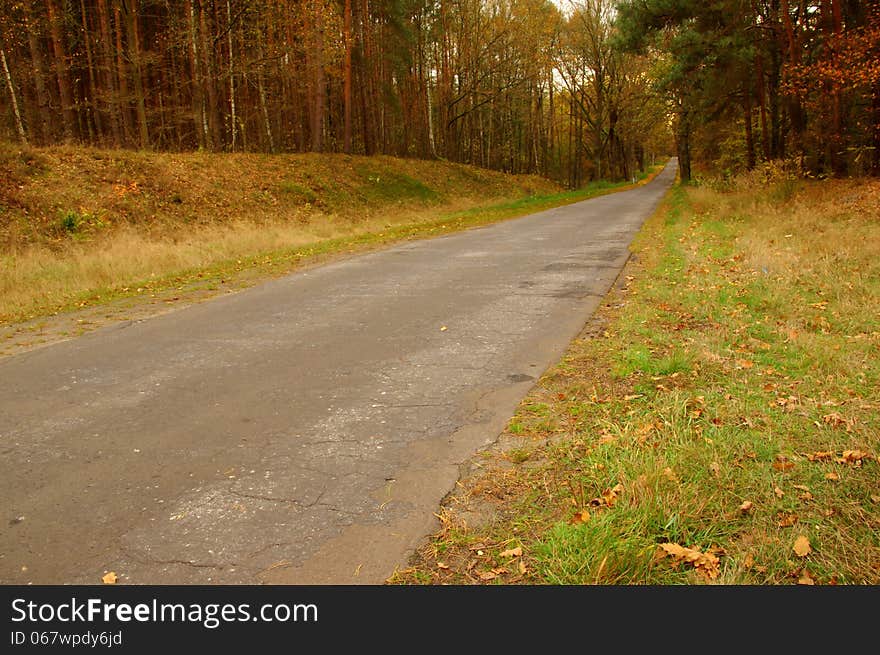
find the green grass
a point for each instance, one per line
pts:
(727, 404)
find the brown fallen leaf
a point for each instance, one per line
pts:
(746, 507)
(875, 498)
(441, 565)
(522, 567)
(786, 520)
(109, 578)
(580, 517)
(487, 575)
(744, 363)
(513, 552)
(608, 497)
(707, 564)
(801, 546)
(782, 464)
(779, 492)
(802, 487)
(853, 457)
(834, 419)
(820, 455)
(748, 562)
(832, 476)
(805, 578)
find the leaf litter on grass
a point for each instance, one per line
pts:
(758, 456)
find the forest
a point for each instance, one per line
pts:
(576, 91)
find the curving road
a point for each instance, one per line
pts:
(303, 431)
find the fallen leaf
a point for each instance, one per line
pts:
(806, 579)
(875, 499)
(706, 564)
(632, 396)
(834, 419)
(832, 476)
(786, 520)
(109, 578)
(488, 575)
(779, 492)
(801, 546)
(580, 517)
(782, 464)
(822, 454)
(441, 565)
(806, 496)
(802, 487)
(670, 474)
(748, 562)
(746, 507)
(744, 363)
(853, 457)
(715, 467)
(522, 567)
(513, 552)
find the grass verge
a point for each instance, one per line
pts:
(83, 228)
(717, 422)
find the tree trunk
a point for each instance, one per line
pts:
(346, 91)
(43, 102)
(122, 73)
(56, 29)
(209, 77)
(683, 146)
(107, 70)
(747, 111)
(130, 7)
(93, 85)
(261, 90)
(233, 117)
(765, 134)
(200, 120)
(368, 103)
(875, 114)
(317, 80)
(19, 126)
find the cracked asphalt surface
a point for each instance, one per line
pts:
(303, 431)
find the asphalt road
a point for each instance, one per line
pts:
(303, 431)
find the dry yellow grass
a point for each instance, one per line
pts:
(75, 221)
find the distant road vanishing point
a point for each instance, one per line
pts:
(303, 431)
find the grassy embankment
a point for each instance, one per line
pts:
(82, 227)
(718, 421)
